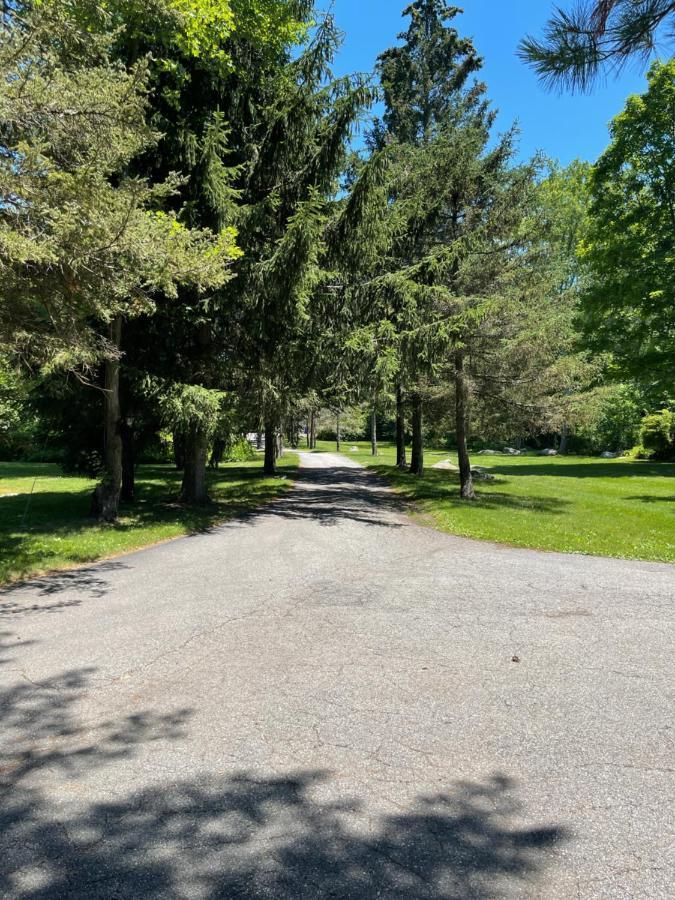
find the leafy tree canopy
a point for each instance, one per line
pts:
(629, 248)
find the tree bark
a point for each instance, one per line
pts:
(128, 462)
(417, 449)
(338, 439)
(179, 450)
(373, 433)
(106, 496)
(564, 437)
(401, 460)
(270, 466)
(461, 428)
(193, 488)
(313, 433)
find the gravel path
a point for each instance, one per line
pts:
(325, 700)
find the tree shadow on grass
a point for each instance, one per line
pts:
(652, 498)
(559, 469)
(443, 486)
(33, 540)
(236, 836)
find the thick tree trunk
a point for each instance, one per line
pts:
(338, 437)
(373, 433)
(128, 463)
(106, 497)
(401, 460)
(417, 449)
(193, 488)
(461, 429)
(270, 466)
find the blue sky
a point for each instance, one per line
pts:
(564, 127)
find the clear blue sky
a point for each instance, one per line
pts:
(563, 126)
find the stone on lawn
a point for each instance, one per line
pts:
(548, 452)
(480, 474)
(446, 464)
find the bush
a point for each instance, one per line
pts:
(657, 434)
(240, 451)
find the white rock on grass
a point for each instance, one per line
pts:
(446, 464)
(548, 452)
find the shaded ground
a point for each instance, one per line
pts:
(320, 700)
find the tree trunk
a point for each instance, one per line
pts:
(564, 437)
(401, 461)
(179, 450)
(373, 433)
(313, 437)
(417, 449)
(193, 488)
(270, 467)
(461, 429)
(338, 439)
(128, 462)
(106, 497)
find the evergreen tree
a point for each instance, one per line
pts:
(424, 83)
(84, 244)
(597, 36)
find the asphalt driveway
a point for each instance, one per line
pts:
(326, 700)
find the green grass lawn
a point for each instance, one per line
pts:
(57, 533)
(572, 504)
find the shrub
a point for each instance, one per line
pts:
(657, 434)
(240, 451)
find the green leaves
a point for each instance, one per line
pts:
(628, 251)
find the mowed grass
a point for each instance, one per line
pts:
(50, 529)
(613, 507)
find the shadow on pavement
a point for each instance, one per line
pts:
(329, 495)
(283, 837)
(90, 582)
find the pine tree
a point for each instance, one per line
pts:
(597, 36)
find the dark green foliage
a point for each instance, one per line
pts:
(657, 434)
(596, 36)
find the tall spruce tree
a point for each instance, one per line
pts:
(424, 83)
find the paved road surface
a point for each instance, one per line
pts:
(319, 701)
